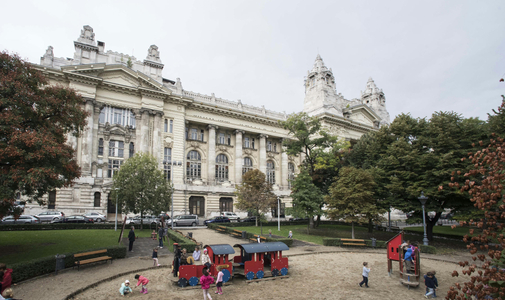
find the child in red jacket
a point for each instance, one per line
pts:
(206, 281)
(7, 278)
(142, 280)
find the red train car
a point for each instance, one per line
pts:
(260, 260)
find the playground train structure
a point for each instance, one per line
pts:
(256, 261)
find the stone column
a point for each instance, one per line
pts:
(238, 156)
(284, 166)
(87, 145)
(144, 130)
(94, 158)
(211, 154)
(263, 153)
(138, 129)
(105, 170)
(157, 134)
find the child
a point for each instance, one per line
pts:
(125, 288)
(408, 260)
(434, 280)
(290, 235)
(153, 235)
(142, 280)
(7, 278)
(206, 281)
(8, 294)
(219, 281)
(365, 275)
(270, 232)
(197, 254)
(184, 257)
(155, 257)
(205, 259)
(430, 284)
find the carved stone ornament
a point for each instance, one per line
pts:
(87, 35)
(291, 158)
(247, 151)
(270, 154)
(169, 145)
(222, 148)
(153, 53)
(194, 144)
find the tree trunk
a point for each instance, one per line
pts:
(261, 224)
(430, 223)
(352, 231)
(308, 227)
(311, 222)
(318, 220)
(141, 221)
(370, 226)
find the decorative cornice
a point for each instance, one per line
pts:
(239, 131)
(262, 135)
(153, 64)
(82, 78)
(86, 46)
(212, 126)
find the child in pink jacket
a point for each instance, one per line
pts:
(142, 280)
(206, 281)
(219, 280)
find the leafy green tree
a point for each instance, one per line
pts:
(141, 186)
(307, 198)
(497, 120)
(255, 194)
(352, 198)
(319, 149)
(35, 121)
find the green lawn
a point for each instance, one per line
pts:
(16, 246)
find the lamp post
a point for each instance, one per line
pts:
(423, 200)
(172, 163)
(278, 213)
(115, 224)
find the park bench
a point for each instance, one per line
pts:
(255, 239)
(221, 228)
(236, 233)
(353, 242)
(81, 260)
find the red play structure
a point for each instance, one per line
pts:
(394, 253)
(257, 259)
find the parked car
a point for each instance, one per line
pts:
(219, 219)
(231, 215)
(146, 220)
(74, 219)
(186, 220)
(23, 219)
(49, 216)
(96, 217)
(249, 219)
(298, 219)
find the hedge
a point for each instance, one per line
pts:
(427, 249)
(184, 242)
(338, 242)
(274, 223)
(57, 226)
(229, 229)
(36, 267)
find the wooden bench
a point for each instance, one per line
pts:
(353, 242)
(237, 233)
(255, 239)
(221, 228)
(81, 261)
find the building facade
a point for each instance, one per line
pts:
(212, 141)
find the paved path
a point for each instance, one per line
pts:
(68, 281)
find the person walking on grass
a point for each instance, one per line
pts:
(219, 281)
(161, 232)
(155, 257)
(131, 238)
(206, 281)
(366, 270)
(142, 280)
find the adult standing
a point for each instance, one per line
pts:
(131, 238)
(161, 233)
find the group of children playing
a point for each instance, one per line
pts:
(5, 283)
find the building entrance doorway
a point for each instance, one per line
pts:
(197, 206)
(111, 207)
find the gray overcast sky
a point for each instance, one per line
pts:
(426, 55)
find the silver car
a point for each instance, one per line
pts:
(49, 216)
(23, 219)
(186, 220)
(96, 217)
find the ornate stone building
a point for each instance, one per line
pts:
(133, 108)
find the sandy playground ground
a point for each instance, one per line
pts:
(317, 276)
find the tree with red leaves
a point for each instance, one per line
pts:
(35, 120)
(484, 183)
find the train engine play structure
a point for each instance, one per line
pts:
(410, 278)
(256, 261)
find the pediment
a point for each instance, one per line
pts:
(121, 78)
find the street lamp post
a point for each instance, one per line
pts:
(278, 213)
(423, 200)
(172, 163)
(115, 225)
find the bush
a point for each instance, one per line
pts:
(332, 242)
(36, 267)
(56, 226)
(428, 249)
(184, 242)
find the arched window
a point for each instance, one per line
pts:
(97, 199)
(270, 172)
(194, 165)
(221, 167)
(291, 173)
(248, 165)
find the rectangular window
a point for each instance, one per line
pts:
(132, 149)
(247, 144)
(112, 148)
(221, 139)
(252, 144)
(171, 128)
(120, 149)
(165, 127)
(201, 135)
(167, 155)
(275, 147)
(116, 148)
(114, 165)
(100, 147)
(229, 140)
(269, 146)
(167, 162)
(194, 134)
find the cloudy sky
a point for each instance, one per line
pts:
(426, 55)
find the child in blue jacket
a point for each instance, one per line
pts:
(125, 288)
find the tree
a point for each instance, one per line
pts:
(255, 194)
(141, 186)
(307, 198)
(351, 197)
(35, 121)
(484, 182)
(318, 149)
(497, 120)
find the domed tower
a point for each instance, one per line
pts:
(374, 98)
(320, 90)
